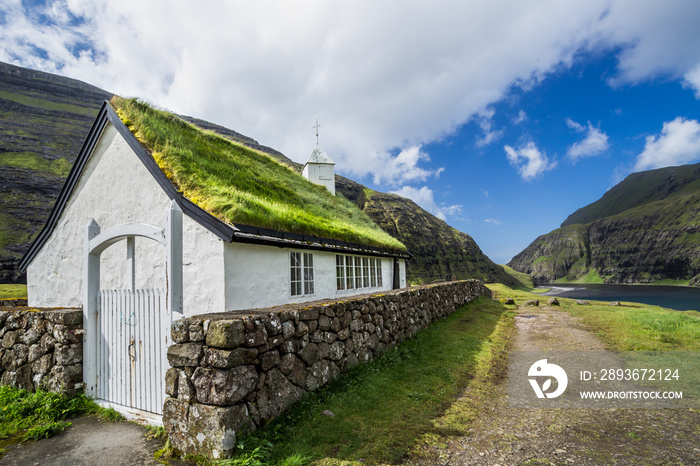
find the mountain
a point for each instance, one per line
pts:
(646, 229)
(44, 119)
(439, 251)
(43, 122)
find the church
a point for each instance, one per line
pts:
(160, 220)
(224, 260)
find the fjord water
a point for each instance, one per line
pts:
(680, 298)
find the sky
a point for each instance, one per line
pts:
(500, 117)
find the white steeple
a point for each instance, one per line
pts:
(319, 168)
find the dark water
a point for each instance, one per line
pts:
(681, 298)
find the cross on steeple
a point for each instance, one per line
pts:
(317, 125)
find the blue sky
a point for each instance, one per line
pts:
(500, 117)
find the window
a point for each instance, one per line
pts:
(301, 276)
(340, 272)
(353, 272)
(308, 273)
(350, 273)
(365, 272)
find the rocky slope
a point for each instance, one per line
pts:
(644, 230)
(439, 251)
(44, 119)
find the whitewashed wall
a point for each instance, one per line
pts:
(259, 276)
(116, 188)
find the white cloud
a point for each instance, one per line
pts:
(404, 167)
(485, 121)
(493, 221)
(595, 142)
(424, 198)
(383, 77)
(656, 39)
(578, 127)
(529, 160)
(692, 80)
(520, 117)
(678, 144)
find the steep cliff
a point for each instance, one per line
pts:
(644, 230)
(44, 119)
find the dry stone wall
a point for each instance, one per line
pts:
(41, 349)
(235, 371)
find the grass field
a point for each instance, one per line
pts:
(40, 102)
(60, 167)
(13, 291)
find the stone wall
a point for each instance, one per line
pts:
(41, 348)
(235, 371)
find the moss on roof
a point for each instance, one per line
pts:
(243, 186)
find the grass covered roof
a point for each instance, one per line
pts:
(240, 185)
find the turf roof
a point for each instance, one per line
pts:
(242, 186)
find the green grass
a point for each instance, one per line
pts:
(13, 291)
(11, 232)
(591, 277)
(241, 185)
(43, 103)
(26, 415)
(392, 406)
(672, 282)
(523, 278)
(631, 327)
(639, 190)
(60, 167)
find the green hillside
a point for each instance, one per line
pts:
(43, 122)
(644, 230)
(639, 189)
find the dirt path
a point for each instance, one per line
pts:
(513, 436)
(89, 442)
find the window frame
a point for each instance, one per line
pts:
(357, 273)
(301, 274)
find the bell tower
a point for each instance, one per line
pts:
(319, 168)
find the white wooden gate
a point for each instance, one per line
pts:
(128, 331)
(131, 349)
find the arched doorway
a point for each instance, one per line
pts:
(128, 330)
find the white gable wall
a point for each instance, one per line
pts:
(116, 188)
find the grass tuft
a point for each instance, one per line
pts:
(27, 415)
(40, 414)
